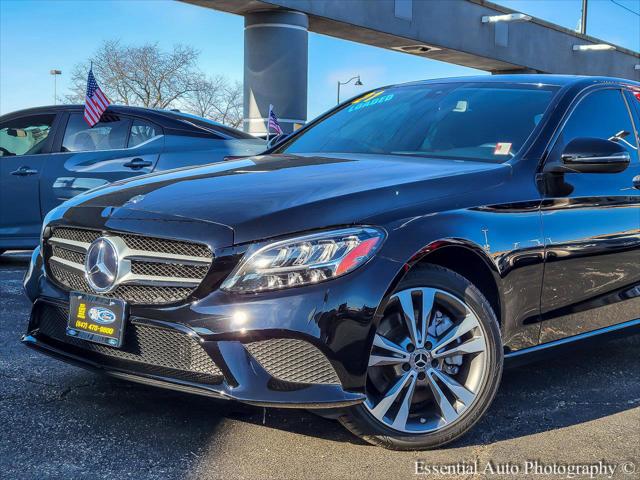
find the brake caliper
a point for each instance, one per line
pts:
(441, 324)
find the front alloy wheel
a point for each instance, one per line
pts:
(434, 366)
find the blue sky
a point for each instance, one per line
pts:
(36, 36)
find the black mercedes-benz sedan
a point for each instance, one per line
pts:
(380, 265)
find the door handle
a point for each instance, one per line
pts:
(138, 163)
(24, 171)
(636, 182)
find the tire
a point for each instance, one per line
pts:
(429, 423)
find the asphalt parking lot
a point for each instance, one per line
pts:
(59, 421)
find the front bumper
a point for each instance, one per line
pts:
(336, 321)
(233, 372)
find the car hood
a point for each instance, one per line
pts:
(270, 195)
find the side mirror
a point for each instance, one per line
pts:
(594, 155)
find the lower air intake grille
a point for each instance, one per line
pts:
(293, 361)
(145, 348)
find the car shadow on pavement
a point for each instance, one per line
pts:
(577, 386)
(195, 407)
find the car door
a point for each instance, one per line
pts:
(591, 224)
(86, 157)
(24, 146)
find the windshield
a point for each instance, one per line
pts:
(474, 121)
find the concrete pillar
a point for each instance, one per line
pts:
(275, 69)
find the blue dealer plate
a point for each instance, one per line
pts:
(96, 319)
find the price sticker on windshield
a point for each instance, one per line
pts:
(502, 148)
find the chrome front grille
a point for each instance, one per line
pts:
(169, 269)
(77, 234)
(169, 247)
(70, 255)
(154, 270)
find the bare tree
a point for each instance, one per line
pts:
(230, 108)
(144, 76)
(216, 98)
(203, 99)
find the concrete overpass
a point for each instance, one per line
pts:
(447, 30)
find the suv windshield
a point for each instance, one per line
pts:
(473, 121)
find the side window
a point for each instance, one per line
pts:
(141, 131)
(26, 135)
(602, 114)
(109, 134)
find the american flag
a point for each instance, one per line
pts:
(96, 102)
(273, 121)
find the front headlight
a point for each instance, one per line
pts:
(304, 260)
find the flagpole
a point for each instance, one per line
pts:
(269, 124)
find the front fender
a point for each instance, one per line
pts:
(506, 238)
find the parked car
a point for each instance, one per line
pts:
(379, 265)
(50, 154)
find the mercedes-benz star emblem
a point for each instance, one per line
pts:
(421, 360)
(101, 265)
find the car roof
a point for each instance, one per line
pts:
(525, 78)
(168, 119)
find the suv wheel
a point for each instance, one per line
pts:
(435, 364)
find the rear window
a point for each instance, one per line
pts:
(474, 121)
(211, 126)
(141, 132)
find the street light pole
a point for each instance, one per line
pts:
(583, 18)
(55, 73)
(357, 84)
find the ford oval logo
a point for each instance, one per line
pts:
(102, 315)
